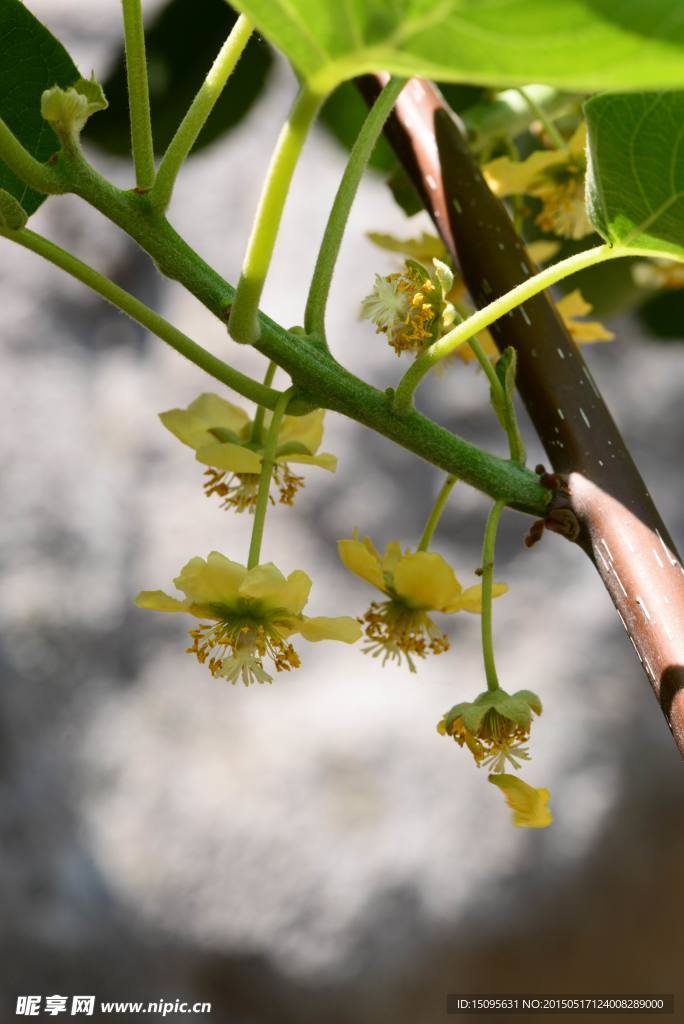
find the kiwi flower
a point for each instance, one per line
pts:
(410, 306)
(414, 583)
(494, 727)
(556, 178)
(529, 805)
(224, 439)
(251, 613)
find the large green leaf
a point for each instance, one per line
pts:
(32, 61)
(635, 174)
(181, 44)
(583, 45)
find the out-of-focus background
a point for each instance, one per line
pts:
(312, 850)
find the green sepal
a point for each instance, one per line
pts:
(225, 434)
(68, 110)
(293, 448)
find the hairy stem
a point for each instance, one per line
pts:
(258, 424)
(199, 111)
(138, 93)
(496, 309)
(488, 546)
(145, 316)
(436, 514)
(244, 324)
(314, 317)
(509, 113)
(267, 464)
(39, 176)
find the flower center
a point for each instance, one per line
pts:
(392, 630)
(234, 648)
(240, 490)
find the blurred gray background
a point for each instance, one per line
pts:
(312, 850)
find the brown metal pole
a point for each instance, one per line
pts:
(608, 510)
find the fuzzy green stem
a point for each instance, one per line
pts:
(244, 324)
(138, 93)
(314, 317)
(199, 111)
(267, 464)
(145, 316)
(541, 116)
(39, 176)
(488, 546)
(436, 514)
(258, 424)
(403, 399)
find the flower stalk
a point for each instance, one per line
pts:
(138, 94)
(488, 546)
(436, 514)
(268, 462)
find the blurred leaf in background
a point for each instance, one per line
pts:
(182, 43)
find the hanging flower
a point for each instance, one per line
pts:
(222, 436)
(529, 805)
(415, 583)
(556, 178)
(494, 727)
(252, 615)
(410, 307)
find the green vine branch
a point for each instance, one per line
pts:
(138, 93)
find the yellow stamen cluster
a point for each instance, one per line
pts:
(564, 209)
(404, 306)
(240, 490)
(392, 630)
(235, 649)
(495, 741)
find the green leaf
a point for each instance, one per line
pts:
(635, 172)
(582, 45)
(32, 61)
(181, 44)
(12, 214)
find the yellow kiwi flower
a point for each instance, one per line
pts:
(251, 613)
(556, 178)
(410, 306)
(529, 805)
(223, 438)
(414, 583)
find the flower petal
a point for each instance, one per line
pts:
(187, 427)
(424, 580)
(306, 430)
(471, 598)
(508, 177)
(158, 601)
(391, 556)
(217, 412)
(294, 594)
(357, 557)
(324, 460)
(529, 805)
(215, 581)
(263, 582)
(232, 457)
(342, 628)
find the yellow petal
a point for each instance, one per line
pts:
(233, 457)
(294, 594)
(529, 805)
(471, 598)
(391, 556)
(215, 581)
(261, 581)
(574, 305)
(356, 556)
(216, 412)
(187, 427)
(424, 248)
(578, 143)
(543, 250)
(508, 177)
(342, 628)
(306, 430)
(424, 580)
(324, 460)
(158, 601)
